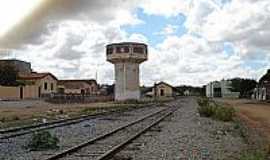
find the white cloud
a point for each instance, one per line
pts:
(75, 47)
(168, 30)
(112, 13)
(165, 8)
(244, 23)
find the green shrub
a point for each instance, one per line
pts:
(43, 140)
(203, 101)
(224, 113)
(257, 155)
(207, 110)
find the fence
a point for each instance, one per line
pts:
(77, 98)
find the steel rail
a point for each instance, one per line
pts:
(103, 136)
(109, 154)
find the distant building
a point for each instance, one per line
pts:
(187, 93)
(262, 91)
(85, 87)
(106, 90)
(160, 89)
(18, 65)
(220, 89)
(35, 85)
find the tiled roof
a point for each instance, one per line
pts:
(34, 76)
(76, 84)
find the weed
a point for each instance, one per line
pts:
(15, 118)
(237, 125)
(3, 119)
(255, 155)
(224, 113)
(208, 108)
(43, 140)
(203, 101)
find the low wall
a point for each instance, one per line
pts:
(73, 98)
(9, 93)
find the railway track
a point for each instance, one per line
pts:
(105, 146)
(28, 129)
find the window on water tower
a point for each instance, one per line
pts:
(123, 49)
(138, 50)
(109, 50)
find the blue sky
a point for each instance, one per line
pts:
(153, 24)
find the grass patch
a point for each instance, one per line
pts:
(255, 155)
(43, 140)
(208, 108)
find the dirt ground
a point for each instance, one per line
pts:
(257, 114)
(14, 113)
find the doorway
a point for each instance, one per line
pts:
(161, 92)
(21, 92)
(39, 91)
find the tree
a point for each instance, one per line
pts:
(244, 86)
(8, 76)
(265, 77)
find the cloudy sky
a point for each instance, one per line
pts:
(190, 41)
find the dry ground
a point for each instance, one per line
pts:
(13, 113)
(255, 113)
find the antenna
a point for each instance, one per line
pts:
(96, 74)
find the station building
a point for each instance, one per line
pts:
(160, 89)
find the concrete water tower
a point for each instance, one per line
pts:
(126, 58)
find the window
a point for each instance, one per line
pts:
(123, 49)
(92, 89)
(52, 87)
(45, 86)
(138, 50)
(109, 50)
(126, 49)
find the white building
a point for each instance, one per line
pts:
(220, 89)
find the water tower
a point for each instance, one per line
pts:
(126, 58)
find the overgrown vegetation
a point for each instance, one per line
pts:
(255, 155)
(208, 108)
(244, 86)
(8, 76)
(43, 140)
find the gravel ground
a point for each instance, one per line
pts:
(71, 135)
(24, 103)
(187, 136)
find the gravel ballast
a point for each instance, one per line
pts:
(15, 148)
(187, 136)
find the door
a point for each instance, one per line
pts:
(161, 92)
(217, 92)
(21, 92)
(39, 92)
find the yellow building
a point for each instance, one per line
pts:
(36, 85)
(161, 89)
